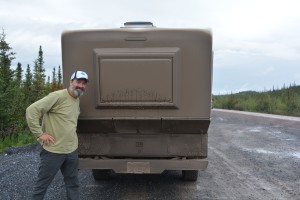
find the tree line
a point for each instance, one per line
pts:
(19, 89)
(284, 101)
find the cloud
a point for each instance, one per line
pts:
(256, 43)
(268, 70)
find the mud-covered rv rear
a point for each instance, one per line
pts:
(147, 106)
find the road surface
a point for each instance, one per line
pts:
(251, 156)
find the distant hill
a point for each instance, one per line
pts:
(284, 101)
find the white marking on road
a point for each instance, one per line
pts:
(255, 130)
(295, 154)
(260, 151)
(296, 119)
(281, 154)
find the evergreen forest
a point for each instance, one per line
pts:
(19, 89)
(284, 101)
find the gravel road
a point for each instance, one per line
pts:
(250, 157)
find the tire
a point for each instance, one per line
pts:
(190, 175)
(101, 174)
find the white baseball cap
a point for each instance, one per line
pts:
(79, 75)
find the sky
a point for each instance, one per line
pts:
(256, 43)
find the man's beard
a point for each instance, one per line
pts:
(77, 92)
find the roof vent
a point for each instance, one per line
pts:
(138, 25)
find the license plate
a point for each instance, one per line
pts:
(138, 167)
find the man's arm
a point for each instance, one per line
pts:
(35, 112)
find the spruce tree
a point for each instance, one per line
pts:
(54, 80)
(17, 103)
(27, 87)
(6, 56)
(6, 77)
(39, 87)
(59, 77)
(19, 72)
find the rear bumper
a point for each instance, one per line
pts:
(138, 166)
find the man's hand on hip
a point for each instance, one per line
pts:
(47, 139)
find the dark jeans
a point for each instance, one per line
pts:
(49, 166)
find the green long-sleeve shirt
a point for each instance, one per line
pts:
(59, 112)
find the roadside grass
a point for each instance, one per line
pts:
(285, 101)
(16, 139)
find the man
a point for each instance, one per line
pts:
(59, 112)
